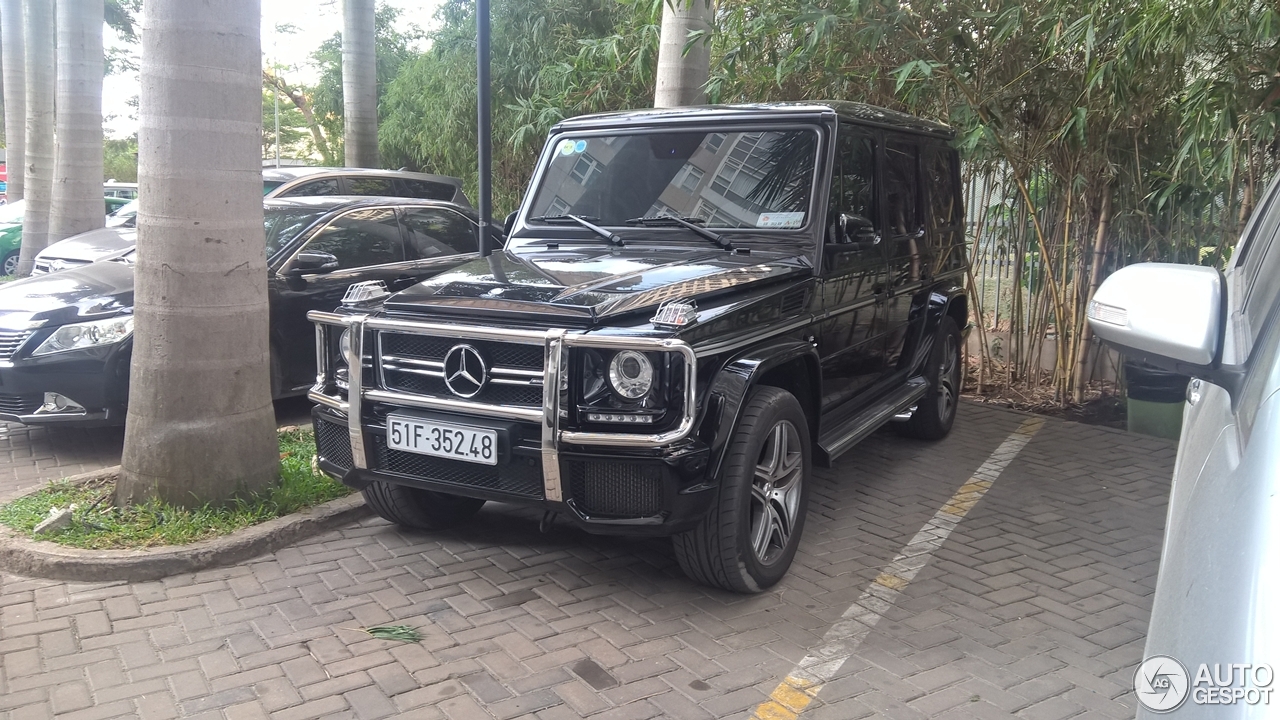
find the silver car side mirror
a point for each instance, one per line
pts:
(1170, 315)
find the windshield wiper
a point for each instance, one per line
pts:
(584, 221)
(713, 236)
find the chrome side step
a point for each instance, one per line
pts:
(838, 440)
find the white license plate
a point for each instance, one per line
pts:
(457, 442)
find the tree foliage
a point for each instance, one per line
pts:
(393, 48)
(1130, 130)
(551, 59)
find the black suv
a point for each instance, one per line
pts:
(693, 307)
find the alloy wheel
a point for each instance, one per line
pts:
(775, 492)
(948, 379)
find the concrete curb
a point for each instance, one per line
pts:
(43, 559)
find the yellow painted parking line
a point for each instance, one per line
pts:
(800, 688)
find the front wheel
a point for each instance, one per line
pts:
(11, 263)
(936, 412)
(417, 508)
(747, 541)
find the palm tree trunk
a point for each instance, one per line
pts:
(201, 426)
(681, 75)
(359, 84)
(15, 99)
(77, 169)
(38, 152)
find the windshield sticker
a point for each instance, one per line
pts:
(580, 146)
(780, 220)
(567, 147)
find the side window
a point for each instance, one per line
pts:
(853, 191)
(435, 233)
(327, 186)
(370, 186)
(424, 189)
(945, 220)
(1260, 265)
(901, 180)
(1264, 372)
(361, 238)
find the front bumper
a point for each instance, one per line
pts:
(607, 482)
(97, 381)
(619, 493)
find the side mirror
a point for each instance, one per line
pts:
(509, 224)
(855, 230)
(1168, 315)
(313, 263)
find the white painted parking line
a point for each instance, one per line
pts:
(801, 686)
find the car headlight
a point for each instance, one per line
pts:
(94, 333)
(631, 374)
(344, 346)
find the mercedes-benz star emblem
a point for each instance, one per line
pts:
(465, 373)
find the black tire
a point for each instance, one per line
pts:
(417, 508)
(720, 551)
(10, 264)
(936, 411)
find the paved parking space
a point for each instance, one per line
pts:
(31, 455)
(1034, 606)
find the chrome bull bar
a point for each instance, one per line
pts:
(554, 372)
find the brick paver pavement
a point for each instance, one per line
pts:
(1035, 607)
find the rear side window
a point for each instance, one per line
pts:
(370, 186)
(434, 232)
(327, 186)
(424, 189)
(944, 236)
(361, 238)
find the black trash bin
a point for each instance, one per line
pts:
(1155, 400)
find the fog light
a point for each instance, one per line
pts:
(57, 403)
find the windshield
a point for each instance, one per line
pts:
(284, 224)
(127, 210)
(12, 213)
(760, 179)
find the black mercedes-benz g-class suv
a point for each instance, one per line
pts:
(693, 307)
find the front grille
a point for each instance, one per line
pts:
(493, 393)
(522, 476)
(333, 443)
(21, 404)
(617, 489)
(415, 364)
(497, 354)
(10, 341)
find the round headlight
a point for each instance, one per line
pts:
(344, 345)
(631, 374)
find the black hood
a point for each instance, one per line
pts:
(93, 291)
(590, 284)
(93, 245)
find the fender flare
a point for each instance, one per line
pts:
(733, 382)
(938, 303)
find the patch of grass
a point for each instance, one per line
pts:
(103, 526)
(7, 278)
